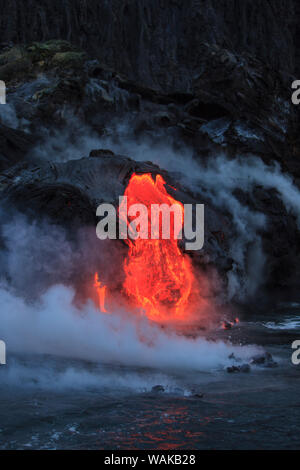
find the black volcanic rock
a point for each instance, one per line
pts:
(235, 101)
(69, 192)
(14, 145)
(159, 43)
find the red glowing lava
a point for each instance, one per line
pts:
(159, 278)
(227, 325)
(101, 292)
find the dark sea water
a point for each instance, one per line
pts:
(48, 402)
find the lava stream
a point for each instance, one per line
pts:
(159, 278)
(101, 291)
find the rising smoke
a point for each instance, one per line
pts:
(40, 316)
(216, 179)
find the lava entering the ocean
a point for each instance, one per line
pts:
(159, 278)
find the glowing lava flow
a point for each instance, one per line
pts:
(101, 291)
(159, 278)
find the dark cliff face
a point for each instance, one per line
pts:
(158, 42)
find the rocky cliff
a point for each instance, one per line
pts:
(158, 42)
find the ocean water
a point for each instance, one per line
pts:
(52, 402)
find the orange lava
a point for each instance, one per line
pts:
(159, 278)
(101, 291)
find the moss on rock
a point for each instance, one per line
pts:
(68, 59)
(41, 51)
(21, 62)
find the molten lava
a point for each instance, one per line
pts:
(101, 291)
(159, 278)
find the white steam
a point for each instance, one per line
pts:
(70, 143)
(39, 316)
(215, 179)
(54, 325)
